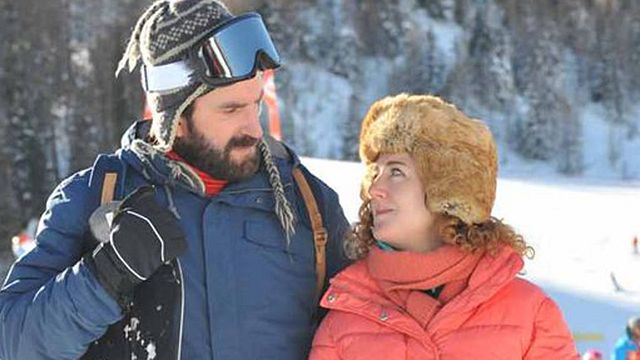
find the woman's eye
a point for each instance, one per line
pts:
(396, 172)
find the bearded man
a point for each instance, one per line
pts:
(210, 252)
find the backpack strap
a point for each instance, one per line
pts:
(106, 183)
(319, 232)
(107, 176)
(108, 187)
(279, 150)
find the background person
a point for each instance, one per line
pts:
(628, 345)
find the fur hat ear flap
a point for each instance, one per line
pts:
(367, 148)
(456, 156)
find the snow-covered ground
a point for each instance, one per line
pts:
(582, 232)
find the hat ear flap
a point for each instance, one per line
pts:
(367, 153)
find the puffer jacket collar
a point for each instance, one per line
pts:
(355, 291)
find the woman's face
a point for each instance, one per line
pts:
(400, 215)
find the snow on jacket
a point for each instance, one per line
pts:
(497, 316)
(237, 293)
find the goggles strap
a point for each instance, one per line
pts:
(166, 77)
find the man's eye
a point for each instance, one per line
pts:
(230, 110)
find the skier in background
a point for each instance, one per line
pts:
(23, 242)
(592, 354)
(628, 345)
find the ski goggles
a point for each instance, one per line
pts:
(232, 52)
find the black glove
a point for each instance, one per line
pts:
(143, 236)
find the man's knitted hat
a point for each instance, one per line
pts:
(455, 155)
(166, 32)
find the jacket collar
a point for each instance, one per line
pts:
(354, 290)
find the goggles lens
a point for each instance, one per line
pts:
(232, 52)
(238, 48)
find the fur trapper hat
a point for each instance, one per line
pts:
(455, 155)
(164, 33)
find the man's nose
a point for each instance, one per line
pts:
(253, 127)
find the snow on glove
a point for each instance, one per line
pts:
(143, 236)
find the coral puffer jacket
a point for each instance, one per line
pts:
(497, 316)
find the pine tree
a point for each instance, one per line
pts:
(539, 79)
(423, 70)
(489, 56)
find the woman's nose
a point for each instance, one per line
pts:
(377, 189)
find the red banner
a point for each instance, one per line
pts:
(271, 100)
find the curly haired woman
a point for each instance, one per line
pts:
(436, 273)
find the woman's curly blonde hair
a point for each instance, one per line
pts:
(489, 236)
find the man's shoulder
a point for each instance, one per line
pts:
(279, 150)
(77, 182)
(88, 180)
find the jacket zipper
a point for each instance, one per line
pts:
(179, 355)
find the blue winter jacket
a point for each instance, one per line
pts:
(240, 292)
(623, 347)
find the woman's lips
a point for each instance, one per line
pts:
(381, 212)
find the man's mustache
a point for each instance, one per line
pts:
(242, 141)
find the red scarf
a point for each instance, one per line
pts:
(404, 276)
(212, 186)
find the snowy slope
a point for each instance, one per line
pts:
(581, 231)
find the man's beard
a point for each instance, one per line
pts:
(194, 149)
